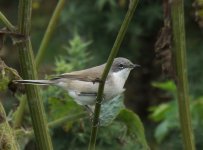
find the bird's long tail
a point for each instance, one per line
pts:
(36, 82)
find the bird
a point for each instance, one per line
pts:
(83, 85)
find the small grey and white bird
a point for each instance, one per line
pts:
(83, 86)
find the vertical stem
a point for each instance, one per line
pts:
(27, 64)
(20, 111)
(7, 137)
(49, 31)
(114, 51)
(177, 10)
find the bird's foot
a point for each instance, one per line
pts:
(91, 115)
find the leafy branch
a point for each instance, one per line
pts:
(114, 51)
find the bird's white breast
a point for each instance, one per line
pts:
(120, 78)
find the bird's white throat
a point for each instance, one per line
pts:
(120, 77)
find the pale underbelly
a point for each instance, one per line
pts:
(75, 88)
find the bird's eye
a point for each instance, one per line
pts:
(121, 66)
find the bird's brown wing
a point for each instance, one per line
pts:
(88, 75)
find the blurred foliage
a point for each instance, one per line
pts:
(6, 75)
(166, 113)
(76, 54)
(167, 117)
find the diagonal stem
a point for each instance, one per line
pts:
(7, 22)
(49, 31)
(114, 51)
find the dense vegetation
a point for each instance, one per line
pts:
(84, 35)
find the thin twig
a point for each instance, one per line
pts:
(177, 11)
(54, 124)
(114, 51)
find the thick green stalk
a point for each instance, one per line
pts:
(28, 70)
(114, 51)
(7, 137)
(6, 22)
(177, 10)
(49, 31)
(20, 111)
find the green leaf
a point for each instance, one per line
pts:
(110, 110)
(167, 115)
(161, 131)
(4, 83)
(164, 128)
(167, 85)
(134, 127)
(159, 111)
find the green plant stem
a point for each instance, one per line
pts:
(177, 10)
(55, 123)
(28, 70)
(114, 51)
(18, 117)
(7, 22)
(41, 51)
(49, 31)
(62, 120)
(7, 137)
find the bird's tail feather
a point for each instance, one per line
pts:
(36, 82)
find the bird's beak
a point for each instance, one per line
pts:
(132, 66)
(136, 66)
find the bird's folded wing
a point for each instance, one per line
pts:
(87, 94)
(87, 75)
(77, 77)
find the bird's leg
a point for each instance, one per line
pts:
(90, 112)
